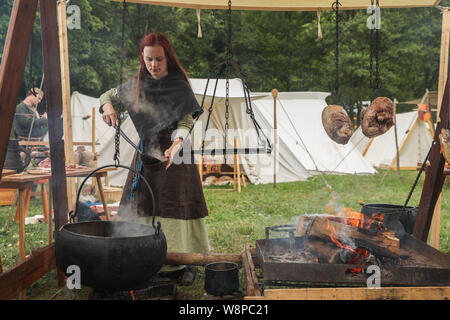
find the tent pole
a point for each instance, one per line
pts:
(396, 138)
(275, 136)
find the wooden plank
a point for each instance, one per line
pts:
(53, 97)
(250, 288)
(13, 65)
(27, 272)
(180, 258)
(46, 143)
(434, 178)
(386, 293)
(254, 278)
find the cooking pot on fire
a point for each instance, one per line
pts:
(111, 255)
(395, 217)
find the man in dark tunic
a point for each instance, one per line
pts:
(27, 120)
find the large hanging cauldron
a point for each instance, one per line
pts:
(112, 255)
(13, 159)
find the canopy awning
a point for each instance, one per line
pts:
(286, 5)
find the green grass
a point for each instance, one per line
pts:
(239, 218)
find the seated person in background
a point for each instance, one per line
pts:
(27, 117)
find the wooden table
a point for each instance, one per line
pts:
(24, 182)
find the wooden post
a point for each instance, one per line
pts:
(65, 84)
(396, 138)
(443, 73)
(13, 65)
(50, 216)
(434, 178)
(237, 165)
(53, 97)
(275, 136)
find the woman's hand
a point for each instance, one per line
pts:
(169, 153)
(109, 115)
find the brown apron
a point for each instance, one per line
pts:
(178, 190)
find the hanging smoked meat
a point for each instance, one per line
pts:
(337, 124)
(378, 117)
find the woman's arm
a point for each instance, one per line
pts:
(110, 106)
(183, 127)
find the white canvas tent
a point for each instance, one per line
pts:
(293, 153)
(299, 122)
(258, 167)
(82, 131)
(414, 140)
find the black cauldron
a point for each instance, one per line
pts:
(111, 255)
(396, 217)
(13, 159)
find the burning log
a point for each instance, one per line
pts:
(378, 117)
(336, 229)
(337, 124)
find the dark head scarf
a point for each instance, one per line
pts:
(162, 102)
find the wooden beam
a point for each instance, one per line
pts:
(65, 84)
(53, 97)
(443, 74)
(251, 265)
(13, 65)
(180, 258)
(434, 178)
(27, 272)
(386, 293)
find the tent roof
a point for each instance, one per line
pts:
(285, 5)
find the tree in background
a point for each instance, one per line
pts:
(275, 49)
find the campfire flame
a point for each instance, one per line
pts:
(356, 219)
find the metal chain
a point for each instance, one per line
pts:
(377, 50)
(335, 7)
(371, 37)
(122, 53)
(117, 142)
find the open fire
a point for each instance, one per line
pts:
(356, 219)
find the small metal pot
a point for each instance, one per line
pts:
(221, 278)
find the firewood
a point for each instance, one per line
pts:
(378, 117)
(337, 124)
(331, 228)
(180, 258)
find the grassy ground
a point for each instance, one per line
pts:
(239, 218)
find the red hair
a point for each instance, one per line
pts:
(173, 64)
